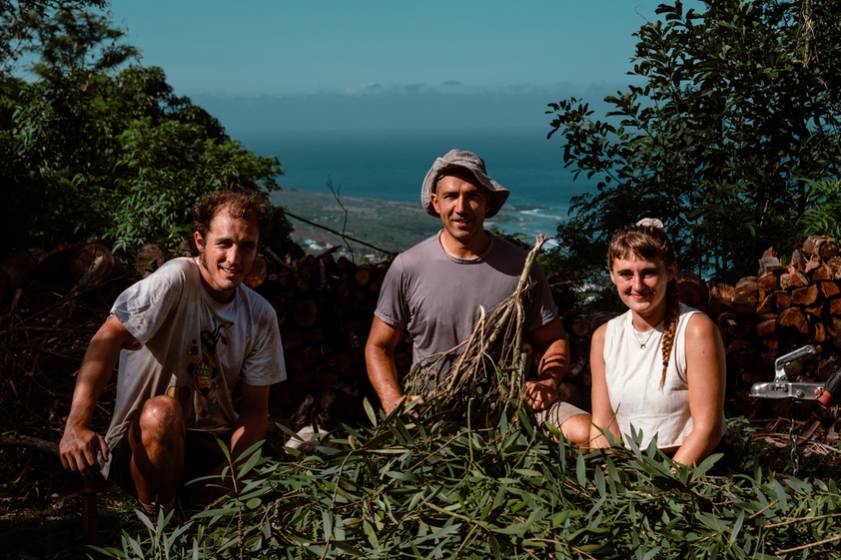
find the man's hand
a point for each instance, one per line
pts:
(391, 404)
(78, 448)
(540, 394)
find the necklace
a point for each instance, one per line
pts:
(642, 340)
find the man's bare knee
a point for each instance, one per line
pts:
(577, 429)
(161, 418)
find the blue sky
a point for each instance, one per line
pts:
(263, 47)
(263, 65)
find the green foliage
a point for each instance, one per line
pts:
(100, 146)
(736, 111)
(20, 21)
(162, 169)
(824, 214)
(427, 489)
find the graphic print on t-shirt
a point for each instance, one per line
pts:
(205, 372)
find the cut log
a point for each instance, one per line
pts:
(723, 294)
(344, 264)
(14, 439)
(797, 261)
(766, 328)
(820, 334)
(769, 263)
(148, 259)
(303, 280)
(767, 304)
(768, 282)
(829, 289)
(794, 318)
(771, 344)
(828, 249)
(580, 327)
(92, 264)
(823, 272)
(809, 246)
(282, 277)
(305, 312)
(815, 310)
(747, 288)
(362, 276)
(741, 353)
(812, 264)
(783, 299)
(16, 270)
(692, 290)
(258, 273)
(744, 305)
(835, 265)
(804, 296)
(292, 338)
(374, 285)
(819, 246)
(793, 279)
(835, 307)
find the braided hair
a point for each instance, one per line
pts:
(647, 240)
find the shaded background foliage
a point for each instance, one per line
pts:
(95, 144)
(727, 136)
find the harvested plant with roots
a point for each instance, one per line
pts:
(488, 368)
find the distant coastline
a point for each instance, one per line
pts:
(389, 224)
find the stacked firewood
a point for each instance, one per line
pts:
(575, 387)
(782, 308)
(324, 306)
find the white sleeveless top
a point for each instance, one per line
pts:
(633, 368)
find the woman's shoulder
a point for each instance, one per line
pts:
(609, 330)
(697, 323)
(618, 322)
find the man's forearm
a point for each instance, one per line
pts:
(94, 374)
(248, 430)
(383, 376)
(555, 362)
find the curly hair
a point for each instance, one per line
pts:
(648, 241)
(242, 205)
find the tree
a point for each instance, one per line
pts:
(97, 145)
(21, 21)
(734, 124)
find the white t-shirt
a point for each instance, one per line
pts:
(632, 375)
(193, 348)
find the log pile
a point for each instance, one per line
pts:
(324, 307)
(784, 306)
(575, 387)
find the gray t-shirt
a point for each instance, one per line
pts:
(193, 348)
(435, 298)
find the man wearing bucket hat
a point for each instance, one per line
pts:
(433, 291)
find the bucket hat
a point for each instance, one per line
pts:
(462, 159)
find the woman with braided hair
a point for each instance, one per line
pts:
(659, 368)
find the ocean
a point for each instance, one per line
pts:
(390, 165)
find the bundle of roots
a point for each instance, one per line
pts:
(489, 368)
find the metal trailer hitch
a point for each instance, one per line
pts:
(782, 388)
